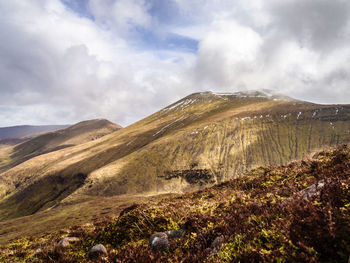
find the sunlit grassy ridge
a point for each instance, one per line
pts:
(223, 134)
(298, 212)
(55, 140)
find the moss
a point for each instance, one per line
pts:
(231, 250)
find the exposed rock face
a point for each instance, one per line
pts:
(97, 251)
(192, 176)
(159, 241)
(67, 240)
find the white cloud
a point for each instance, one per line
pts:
(227, 54)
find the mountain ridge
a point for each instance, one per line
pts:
(218, 135)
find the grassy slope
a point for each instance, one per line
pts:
(262, 216)
(62, 217)
(210, 130)
(57, 187)
(52, 141)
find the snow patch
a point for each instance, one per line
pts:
(181, 104)
(298, 115)
(166, 126)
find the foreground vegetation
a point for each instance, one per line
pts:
(294, 213)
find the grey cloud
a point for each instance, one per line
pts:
(301, 50)
(323, 24)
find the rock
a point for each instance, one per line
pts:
(217, 242)
(159, 241)
(66, 241)
(38, 251)
(312, 190)
(174, 233)
(97, 251)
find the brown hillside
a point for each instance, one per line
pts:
(202, 139)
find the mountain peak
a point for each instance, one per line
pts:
(264, 93)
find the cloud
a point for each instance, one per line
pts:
(322, 25)
(296, 47)
(65, 61)
(66, 64)
(121, 16)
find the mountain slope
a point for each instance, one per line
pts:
(52, 141)
(293, 213)
(199, 140)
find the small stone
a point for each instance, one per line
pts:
(217, 242)
(66, 241)
(38, 251)
(159, 241)
(174, 233)
(97, 251)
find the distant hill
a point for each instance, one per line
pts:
(25, 130)
(52, 141)
(202, 139)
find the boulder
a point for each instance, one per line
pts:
(159, 241)
(97, 251)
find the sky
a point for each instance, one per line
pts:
(64, 61)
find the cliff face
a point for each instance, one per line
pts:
(200, 140)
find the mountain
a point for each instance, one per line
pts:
(25, 130)
(297, 212)
(52, 141)
(204, 138)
